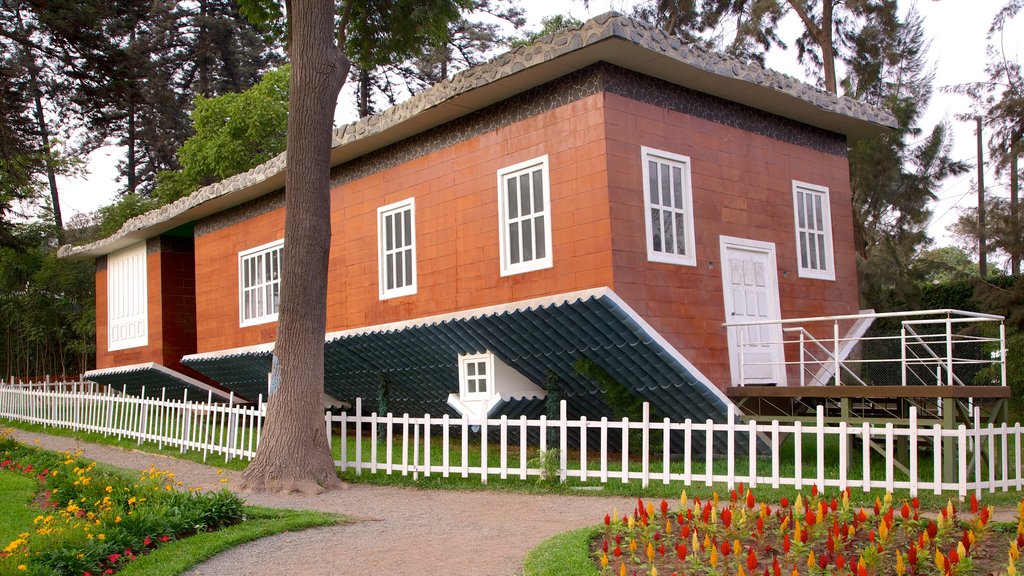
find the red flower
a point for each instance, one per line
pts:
(830, 544)
(664, 508)
(751, 559)
(983, 516)
(814, 490)
(915, 503)
(834, 504)
(618, 539)
(974, 503)
(810, 518)
(803, 536)
(112, 558)
(840, 562)
(607, 520)
(933, 529)
(726, 517)
(618, 551)
(679, 518)
(661, 549)
(785, 543)
(705, 514)
(776, 569)
(750, 500)
(760, 525)
(862, 570)
(966, 540)
(953, 557)
(686, 530)
(912, 555)
(905, 511)
(823, 561)
(784, 502)
(681, 552)
(726, 548)
(164, 538)
(733, 495)
(604, 546)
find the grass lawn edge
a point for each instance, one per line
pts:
(564, 554)
(175, 557)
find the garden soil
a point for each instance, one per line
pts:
(401, 531)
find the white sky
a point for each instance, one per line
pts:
(956, 29)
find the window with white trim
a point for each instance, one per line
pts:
(668, 204)
(524, 216)
(396, 249)
(813, 231)
(259, 283)
(476, 376)
(127, 318)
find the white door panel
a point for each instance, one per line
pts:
(751, 290)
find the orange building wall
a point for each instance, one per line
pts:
(456, 226)
(171, 317)
(742, 187)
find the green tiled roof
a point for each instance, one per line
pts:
(154, 381)
(420, 362)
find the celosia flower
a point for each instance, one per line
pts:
(726, 517)
(681, 552)
(974, 503)
(751, 559)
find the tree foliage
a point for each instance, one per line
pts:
(233, 133)
(47, 308)
(894, 177)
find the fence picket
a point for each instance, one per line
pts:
(232, 430)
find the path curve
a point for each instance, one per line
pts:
(403, 530)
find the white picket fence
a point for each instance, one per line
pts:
(425, 446)
(228, 429)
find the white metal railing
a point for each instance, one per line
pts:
(600, 451)
(931, 347)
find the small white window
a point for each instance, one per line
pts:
(259, 283)
(127, 319)
(396, 252)
(813, 231)
(668, 201)
(476, 376)
(524, 215)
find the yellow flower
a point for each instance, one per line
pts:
(117, 520)
(22, 567)
(811, 563)
(714, 558)
(101, 536)
(604, 560)
(622, 569)
(109, 489)
(900, 568)
(650, 552)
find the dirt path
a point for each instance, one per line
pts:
(404, 531)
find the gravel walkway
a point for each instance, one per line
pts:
(402, 530)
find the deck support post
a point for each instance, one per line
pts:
(949, 445)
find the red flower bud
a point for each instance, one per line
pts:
(814, 490)
(607, 520)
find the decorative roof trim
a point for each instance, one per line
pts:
(609, 37)
(188, 380)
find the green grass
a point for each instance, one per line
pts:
(565, 554)
(16, 513)
(178, 556)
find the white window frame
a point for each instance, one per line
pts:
(672, 160)
(127, 298)
(383, 252)
(504, 222)
(828, 272)
(465, 360)
(244, 256)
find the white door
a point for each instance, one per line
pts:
(751, 293)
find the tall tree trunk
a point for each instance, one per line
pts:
(44, 135)
(293, 454)
(828, 48)
(1015, 245)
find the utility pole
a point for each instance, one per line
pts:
(982, 252)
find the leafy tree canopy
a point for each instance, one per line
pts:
(234, 132)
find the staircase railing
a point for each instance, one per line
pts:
(951, 347)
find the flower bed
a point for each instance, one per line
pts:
(813, 535)
(93, 522)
